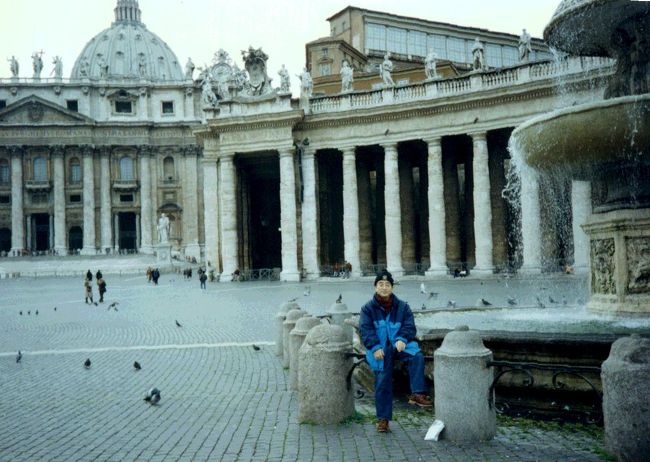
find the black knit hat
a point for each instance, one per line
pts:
(384, 275)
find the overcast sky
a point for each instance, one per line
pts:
(198, 28)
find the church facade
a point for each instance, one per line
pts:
(408, 176)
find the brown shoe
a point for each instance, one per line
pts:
(382, 426)
(420, 400)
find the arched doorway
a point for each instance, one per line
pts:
(75, 238)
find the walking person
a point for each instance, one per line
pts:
(98, 274)
(101, 287)
(388, 332)
(202, 277)
(89, 275)
(88, 291)
(149, 274)
(155, 274)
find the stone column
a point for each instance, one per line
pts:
(482, 207)
(105, 198)
(531, 230)
(393, 212)
(324, 396)
(351, 211)
(436, 200)
(116, 247)
(60, 246)
(288, 217)
(581, 209)
(17, 211)
(309, 215)
(211, 211)
(191, 204)
(89, 247)
(469, 415)
(146, 231)
(228, 206)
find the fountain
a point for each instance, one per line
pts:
(605, 142)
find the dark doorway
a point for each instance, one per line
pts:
(128, 236)
(330, 199)
(372, 228)
(41, 227)
(75, 238)
(5, 239)
(259, 223)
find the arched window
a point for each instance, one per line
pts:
(168, 168)
(75, 170)
(126, 168)
(5, 173)
(40, 169)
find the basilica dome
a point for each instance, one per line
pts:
(127, 50)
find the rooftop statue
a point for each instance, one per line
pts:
(430, 65)
(306, 83)
(189, 69)
(103, 67)
(163, 229)
(37, 63)
(58, 67)
(285, 82)
(385, 70)
(478, 56)
(524, 46)
(255, 64)
(207, 94)
(347, 77)
(13, 66)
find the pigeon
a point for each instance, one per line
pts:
(423, 307)
(307, 291)
(540, 304)
(512, 301)
(432, 295)
(152, 396)
(113, 305)
(340, 299)
(423, 289)
(29, 312)
(178, 324)
(293, 299)
(484, 302)
(256, 348)
(21, 312)
(87, 363)
(36, 312)
(137, 365)
(55, 308)
(551, 300)
(95, 303)
(19, 356)
(451, 304)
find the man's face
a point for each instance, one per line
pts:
(384, 288)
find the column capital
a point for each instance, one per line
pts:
(16, 151)
(433, 140)
(478, 136)
(286, 152)
(86, 150)
(227, 156)
(389, 146)
(105, 150)
(348, 150)
(145, 150)
(57, 150)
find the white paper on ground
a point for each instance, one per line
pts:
(434, 430)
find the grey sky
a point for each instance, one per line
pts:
(198, 28)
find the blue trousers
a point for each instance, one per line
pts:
(384, 380)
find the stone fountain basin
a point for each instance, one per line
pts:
(586, 137)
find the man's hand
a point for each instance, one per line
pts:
(400, 346)
(379, 354)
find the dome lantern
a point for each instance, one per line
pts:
(127, 11)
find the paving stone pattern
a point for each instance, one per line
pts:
(221, 399)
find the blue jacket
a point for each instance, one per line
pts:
(379, 330)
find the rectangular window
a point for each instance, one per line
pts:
(72, 105)
(5, 174)
(75, 198)
(456, 50)
(167, 107)
(325, 69)
(5, 200)
(493, 55)
(75, 173)
(375, 37)
(123, 107)
(417, 43)
(126, 197)
(510, 55)
(3, 103)
(396, 40)
(439, 45)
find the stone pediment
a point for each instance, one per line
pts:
(34, 110)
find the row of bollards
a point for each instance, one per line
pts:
(317, 354)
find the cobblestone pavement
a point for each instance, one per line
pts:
(221, 399)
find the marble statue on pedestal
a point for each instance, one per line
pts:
(58, 67)
(207, 94)
(385, 69)
(347, 76)
(83, 67)
(306, 83)
(142, 66)
(103, 67)
(37, 63)
(430, 65)
(524, 46)
(14, 66)
(478, 56)
(163, 229)
(285, 82)
(189, 69)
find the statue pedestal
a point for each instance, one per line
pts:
(163, 253)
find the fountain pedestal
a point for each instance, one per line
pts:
(620, 259)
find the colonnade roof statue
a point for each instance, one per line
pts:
(127, 50)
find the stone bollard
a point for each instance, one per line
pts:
(287, 326)
(339, 313)
(626, 403)
(297, 338)
(323, 395)
(462, 380)
(279, 328)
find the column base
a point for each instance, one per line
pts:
(146, 249)
(396, 272)
(164, 253)
(290, 276)
(437, 271)
(61, 251)
(88, 251)
(580, 270)
(193, 250)
(15, 252)
(484, 271)
(530, 270)
(226, 276)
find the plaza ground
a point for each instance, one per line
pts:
(221, 399)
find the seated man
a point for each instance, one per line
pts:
(387, 331)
